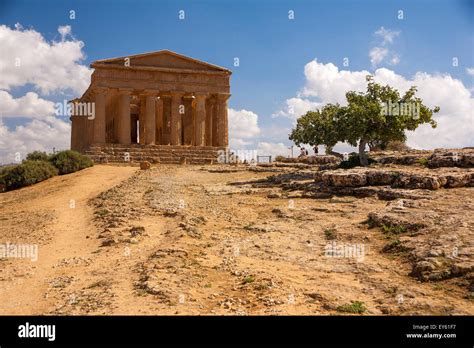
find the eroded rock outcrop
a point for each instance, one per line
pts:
(422, 179)
(452, 158)
(438, 245)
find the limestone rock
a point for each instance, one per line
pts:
(145, 165)
(452, 158)
(343, 179)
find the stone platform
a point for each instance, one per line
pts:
(165, 154)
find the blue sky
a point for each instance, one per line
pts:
(273, 50)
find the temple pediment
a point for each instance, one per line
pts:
(161, 59)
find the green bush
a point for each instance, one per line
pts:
(280, 158)
(26, 173)
(70, 161)
(354, 161)
(37, 156)
(330, 233)
(423, 161)
(4, 170)
(357, 307)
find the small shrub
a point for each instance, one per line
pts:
(4, 170)
(330, 233)
(397, 146)
(280, 158)
(37, 156)
(102, 212)
(423, 161)
(395, 229)
(27, 173)
(390, 146)
(248, 279)
(70, 161)
(353, 307)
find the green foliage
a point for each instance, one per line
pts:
(248, 279)
(4, 171)
(70, 161)
(26, 173)
(357, 307)
(37, 156)
(330, 233)
(423, 161)
(354, 161)
(38, 166)
(319, 127)
(368, 118)
(395, 229)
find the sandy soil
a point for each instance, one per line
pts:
(181, 240)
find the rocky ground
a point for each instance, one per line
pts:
(280, 239)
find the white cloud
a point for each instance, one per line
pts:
(470, 71)
(51, 68)
(395, 60)
(387, 35)
(381, 53)
(377, 55)
(29, 106)
(296, 107)
(244, 133)
(455, 120)
(40, 135)
(243, 127)
(273, 149)
(64, 30)
(330, 85)
(27, 58)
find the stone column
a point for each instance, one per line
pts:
(209, 112)
(159, 121)
(142, 119)
(150, 117)
(200, 121)
(222, 121)
(124, 131)
(176, 117)
(99, 120)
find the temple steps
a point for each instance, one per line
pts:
(166, 154)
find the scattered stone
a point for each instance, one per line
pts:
(392, 222)
(145, 165)
(137, 231)
(108, 242)
(259, 228)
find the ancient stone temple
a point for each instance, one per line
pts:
(160, 106)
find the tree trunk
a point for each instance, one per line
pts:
(364, 161)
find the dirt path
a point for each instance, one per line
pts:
(181, 240)
(67, 234)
